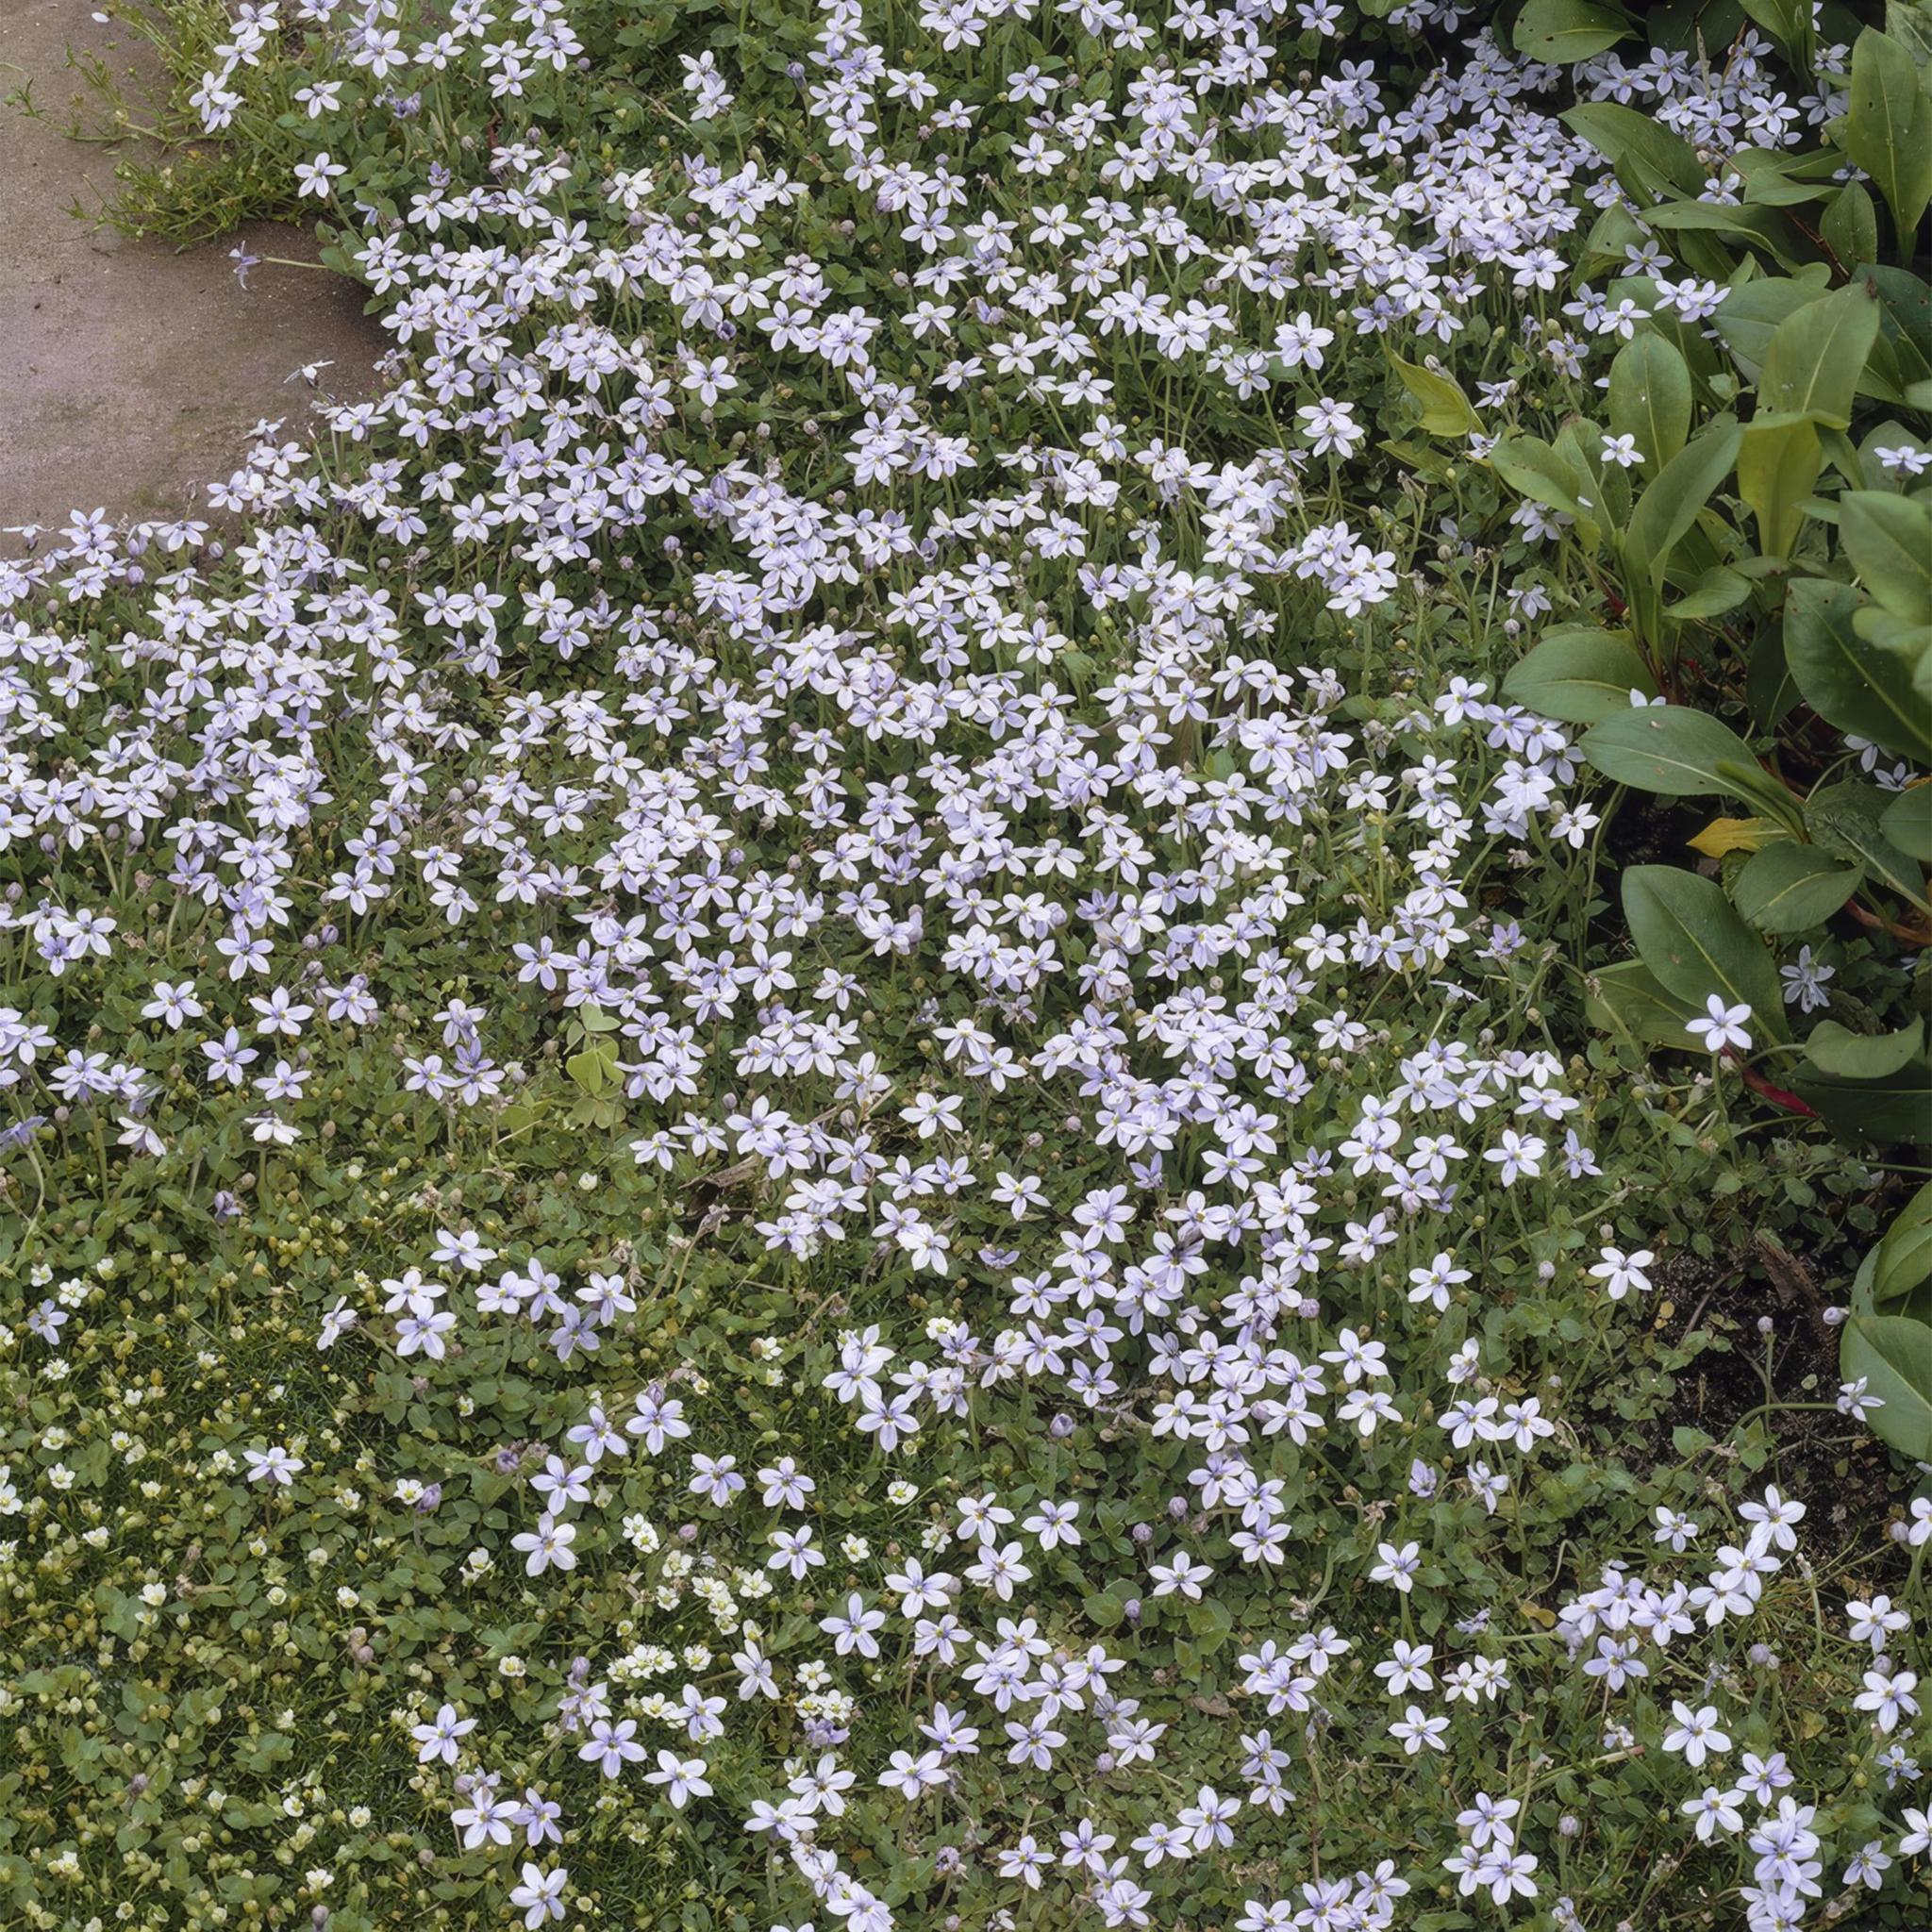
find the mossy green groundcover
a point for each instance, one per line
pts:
(818, 1117)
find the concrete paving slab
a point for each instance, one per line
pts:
(131, 373)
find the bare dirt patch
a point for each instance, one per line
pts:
(131, 373)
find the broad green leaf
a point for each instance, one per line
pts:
(1892, 1356)
(1816, 355)
(1888, 539)
(1777, 177)
(1908, 823)
(1780, 461)
(1533, 469)
(1563, 32)
(1650, 161)
(1858, 686)
(1447, 411)
(1669, 505)
(1666, 748)
(1793, 888)
(1650, 398)
(1692, 939)
(1626, 998)
(1751, 314)
(1835, 1049)
(1849, 227)
(1848, 819)
(1909, 23)
(1768, 228)
(1770, 691)
(1874, 1112)
(1713, 594)
(1888, 127)
(1578, 676)
(1904, 1258)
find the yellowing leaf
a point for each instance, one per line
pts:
(1734, 835)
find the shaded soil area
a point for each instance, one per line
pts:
(131, 373)
(1846, 1477)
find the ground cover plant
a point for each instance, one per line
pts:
(843, 1091)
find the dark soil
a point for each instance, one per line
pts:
(1846, 1477)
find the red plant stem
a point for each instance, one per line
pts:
(1776, 1095)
